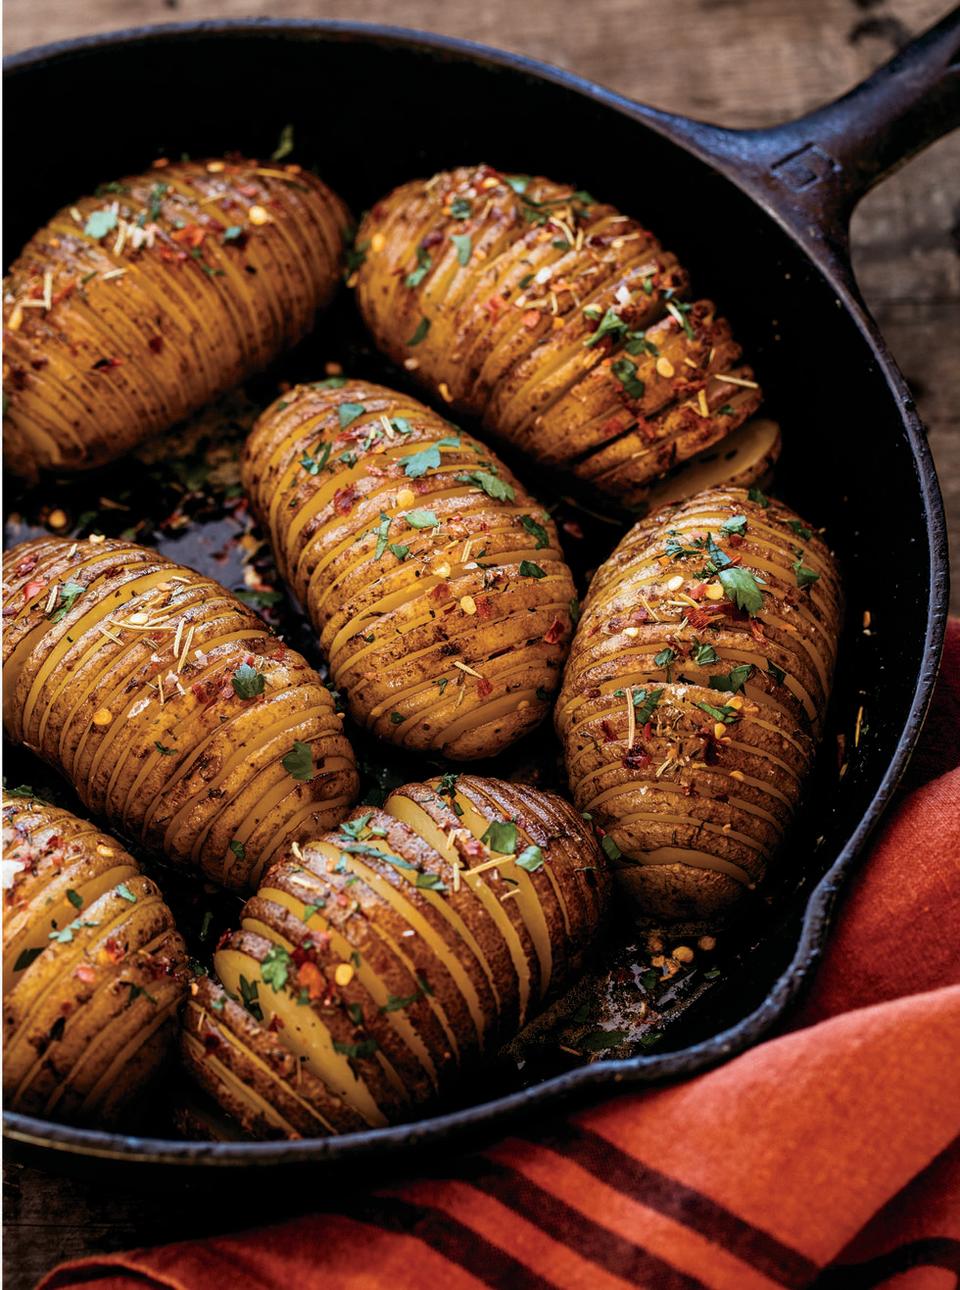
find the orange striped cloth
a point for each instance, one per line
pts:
(826, 1157)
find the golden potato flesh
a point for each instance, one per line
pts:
(434, 580)
(136, 306)
(695, 693)
(169, 706)
(93, 969)
(389, 956)
(561, 323)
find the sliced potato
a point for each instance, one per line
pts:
(388, 957)
(169, 706)
(746, 456)
(134, 307)
(695, 693)
(93, 969)
(435, 582)
(561, 323)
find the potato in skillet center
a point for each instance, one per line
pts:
(435, 581)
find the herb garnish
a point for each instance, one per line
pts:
(742, 588)
(530, 570)
(490, 484)
(535, 530)
(418, 463)
(247, 682)
(423, 326)
(501, 836)
(733, 680)
(298, 762)
(424, 265)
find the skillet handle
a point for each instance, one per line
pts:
(812, 171)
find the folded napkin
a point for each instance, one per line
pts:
(825, 1157)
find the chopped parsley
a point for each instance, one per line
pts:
(69, 594)
(726, 714)
(247, 682)
(775, 673)
(759, 496)
(535, 530)
(238, 849)
(742, 588)
(100, 223)
(348, 413)
(124, 892)
(419, 519)
(625, 370)
(314, 465)
(610, 848)
(464, 246)
(736, 524)
(645, 704)
(248, 995)
(75, 899)
(804, 575)
(382, 531)
(530, 570)
(733, 680)
(611, 324)
(501, 836)
(490, 484)
(275, 968)
(298, 762)
(460, 208)
(164, 752)
(418, 463)
(530, 859)
(424, 265)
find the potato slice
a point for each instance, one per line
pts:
(695, 694)
(435, 582)
(559, 322)
(170, 707)
(385, 958)
(94, 969)
(133, 308)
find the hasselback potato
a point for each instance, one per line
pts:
(435, 582)
(561, 323)
(389, 955)
(695, 693)
(170, 707)
(134, 307)
(93, 968)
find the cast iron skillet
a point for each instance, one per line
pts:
(761, 217)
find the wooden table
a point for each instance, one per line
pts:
(738, 62)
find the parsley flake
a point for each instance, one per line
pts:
(298, 762)
(247, 682)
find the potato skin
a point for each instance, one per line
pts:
(121, 670)
(89, 1008)
(402, 611)
(561, 323)
(391, 955)
(696, 801)
(203, 273)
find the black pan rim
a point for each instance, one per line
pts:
(605, 1076)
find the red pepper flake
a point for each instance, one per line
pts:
(173, 257)
(735, 539)
(473, 848)
(114, 950)
(608, 731)
(343, 500)
(155, 343)
(484, 687)
(191, 235)
(440, 592)
(531, 318)
(701, 618)
(104, 364)
(636, 759)
(554, 632)
(33, 589)
(86, 974)
(27, 564)
(276, 1023)
(311, 979)
(484, 607)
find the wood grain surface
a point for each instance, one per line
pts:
(737, 62)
